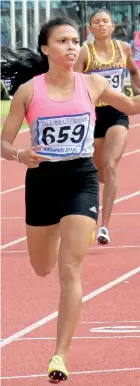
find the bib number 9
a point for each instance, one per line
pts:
(114, 81)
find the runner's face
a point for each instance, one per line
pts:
(63, 47)
(101, 26)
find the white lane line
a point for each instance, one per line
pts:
(13, 218)
(15, 251)
(125, 230)
(54, 315)
(111, 284)
(114, 247)
(12, 189)
(125, 197)
(125, 214)
(113, 322)
(45, 375)
(115, 202)
(106, 371)
(131, 152)
(14, 242)
(99, 247)
(80, 338)
(135, 125)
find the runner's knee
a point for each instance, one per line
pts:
(70, 265)
(41, 270)
(110, 170)
(69, 272)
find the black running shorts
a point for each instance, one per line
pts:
(106, 117)
(58, 189)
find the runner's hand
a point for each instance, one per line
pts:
(30, 158)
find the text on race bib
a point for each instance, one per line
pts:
(114, 77)
(62, 136)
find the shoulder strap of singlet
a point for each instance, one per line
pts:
(82, 86)
(38, 89)
(38, 84)
(118, 43)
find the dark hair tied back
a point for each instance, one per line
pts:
(20, 65)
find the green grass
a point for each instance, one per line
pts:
(5, 107)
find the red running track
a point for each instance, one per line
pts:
(106, 346)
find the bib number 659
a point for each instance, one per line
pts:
(49, 134)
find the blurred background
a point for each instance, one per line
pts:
(21, 20)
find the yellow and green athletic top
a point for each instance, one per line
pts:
(113, 70)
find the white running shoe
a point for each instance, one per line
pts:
(103, 236)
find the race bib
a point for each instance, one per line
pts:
(62, 136)
(114, 77)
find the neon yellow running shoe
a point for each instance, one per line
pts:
(57, 371)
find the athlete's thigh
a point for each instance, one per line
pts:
(76, 232)
(80, 213)
(115, 143)
(98, 156)
(43, 244)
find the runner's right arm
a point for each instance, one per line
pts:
(12, 126)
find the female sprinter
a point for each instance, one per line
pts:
(61, 181)
(109, 58)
